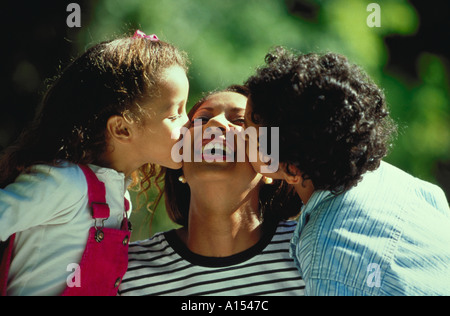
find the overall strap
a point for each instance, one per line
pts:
(105, 259)
(5, 255)
(96, 194)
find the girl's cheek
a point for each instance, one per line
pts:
(184, 121)
(175, 129)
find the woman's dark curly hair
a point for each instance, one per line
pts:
(333, 120)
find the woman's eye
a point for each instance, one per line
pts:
(239, 121)
(204, 119)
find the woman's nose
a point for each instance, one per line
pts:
(219, 121)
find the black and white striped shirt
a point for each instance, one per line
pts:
(163, 265)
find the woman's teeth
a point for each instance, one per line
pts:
(217, 148)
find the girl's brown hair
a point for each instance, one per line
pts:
(111, 78)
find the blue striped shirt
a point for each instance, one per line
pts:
(389, 235)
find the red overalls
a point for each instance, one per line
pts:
(105, 258)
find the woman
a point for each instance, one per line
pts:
(234, 239)
(367, 228)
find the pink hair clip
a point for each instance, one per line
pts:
(140, 34)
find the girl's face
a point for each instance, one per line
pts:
(223, 110)
(166, 112)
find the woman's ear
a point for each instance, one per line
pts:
(119, 129)
(291, 174)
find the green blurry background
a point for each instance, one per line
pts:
(227, 39)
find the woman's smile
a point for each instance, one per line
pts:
(218, 149)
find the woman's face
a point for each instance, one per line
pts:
(223, 111)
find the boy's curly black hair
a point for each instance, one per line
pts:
(333, 120)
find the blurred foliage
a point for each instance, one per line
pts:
(226, 40)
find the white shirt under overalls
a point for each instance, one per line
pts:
(48, 209)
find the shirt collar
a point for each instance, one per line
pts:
(316, 198)
(112, 174)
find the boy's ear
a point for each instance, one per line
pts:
(119, 129)
(294, 176)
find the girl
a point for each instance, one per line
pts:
(113, 109)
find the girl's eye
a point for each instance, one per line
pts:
(174, 117)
